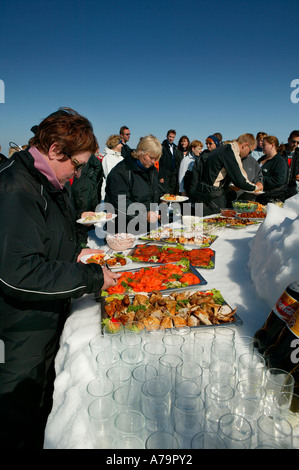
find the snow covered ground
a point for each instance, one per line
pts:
(253, 267)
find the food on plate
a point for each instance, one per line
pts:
(97, 217)
(102, 259)
(170, 197)
(168, 276)
(120, 241)
(202, 257)
(174, 198)
(188, 308)
(228, 212)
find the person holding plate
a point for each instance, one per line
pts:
(39, 270)
(133, 189)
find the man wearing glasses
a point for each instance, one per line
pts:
(223, 167)
(125, 135)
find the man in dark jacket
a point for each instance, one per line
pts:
(39, 272)
(169, 163)
(291, 156)
(223, 166)
(125, 135)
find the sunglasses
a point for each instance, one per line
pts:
(78, 165)
(295, 142)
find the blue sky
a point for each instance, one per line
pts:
(196, 66)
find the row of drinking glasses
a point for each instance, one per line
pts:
(200, 391)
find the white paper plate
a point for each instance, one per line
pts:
(95, 221)
(113, 268)
(177, 199)
(255, 192)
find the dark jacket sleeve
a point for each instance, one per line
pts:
(26, 272)
(234, 172)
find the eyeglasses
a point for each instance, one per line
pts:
(295, 142)
(250, 150)
(128, 133)
(78, 165)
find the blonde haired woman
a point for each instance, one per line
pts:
(135, 180)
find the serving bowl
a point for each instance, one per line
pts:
(245, 206)
(120, 241)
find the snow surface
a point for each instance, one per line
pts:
(253, 267)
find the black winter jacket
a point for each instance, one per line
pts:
(275, 176)
(211, 178)
(38, 277)
(138, 186)
(169, 170)
(85, 193)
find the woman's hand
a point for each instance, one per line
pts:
(87, 251)
(110, 278)
(152, 217)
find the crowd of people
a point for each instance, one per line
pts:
(60, 176)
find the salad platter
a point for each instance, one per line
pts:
(193, 308)
(160, 254)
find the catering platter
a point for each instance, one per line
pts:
(254, 216)
(161, 254)
(179, 235)
(173, 198)
(229, 222)
(191, 307)
(98, 218)
(166, 277)
(114, 261)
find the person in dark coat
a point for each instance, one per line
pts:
(254, 174)
(275, 172)
(210, 183)
(125, 135)
(40, 270)
(3, 157)
(135, 180)
(85, 193)
(169, 164)
(290, 153)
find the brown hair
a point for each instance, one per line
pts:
(71, 132)
(196, 143)
(271, 139)
(180, 141)
(261, 135)
(122, 129)
(219, 136)
(171, 131)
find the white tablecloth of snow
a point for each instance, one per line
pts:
(252, 268)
